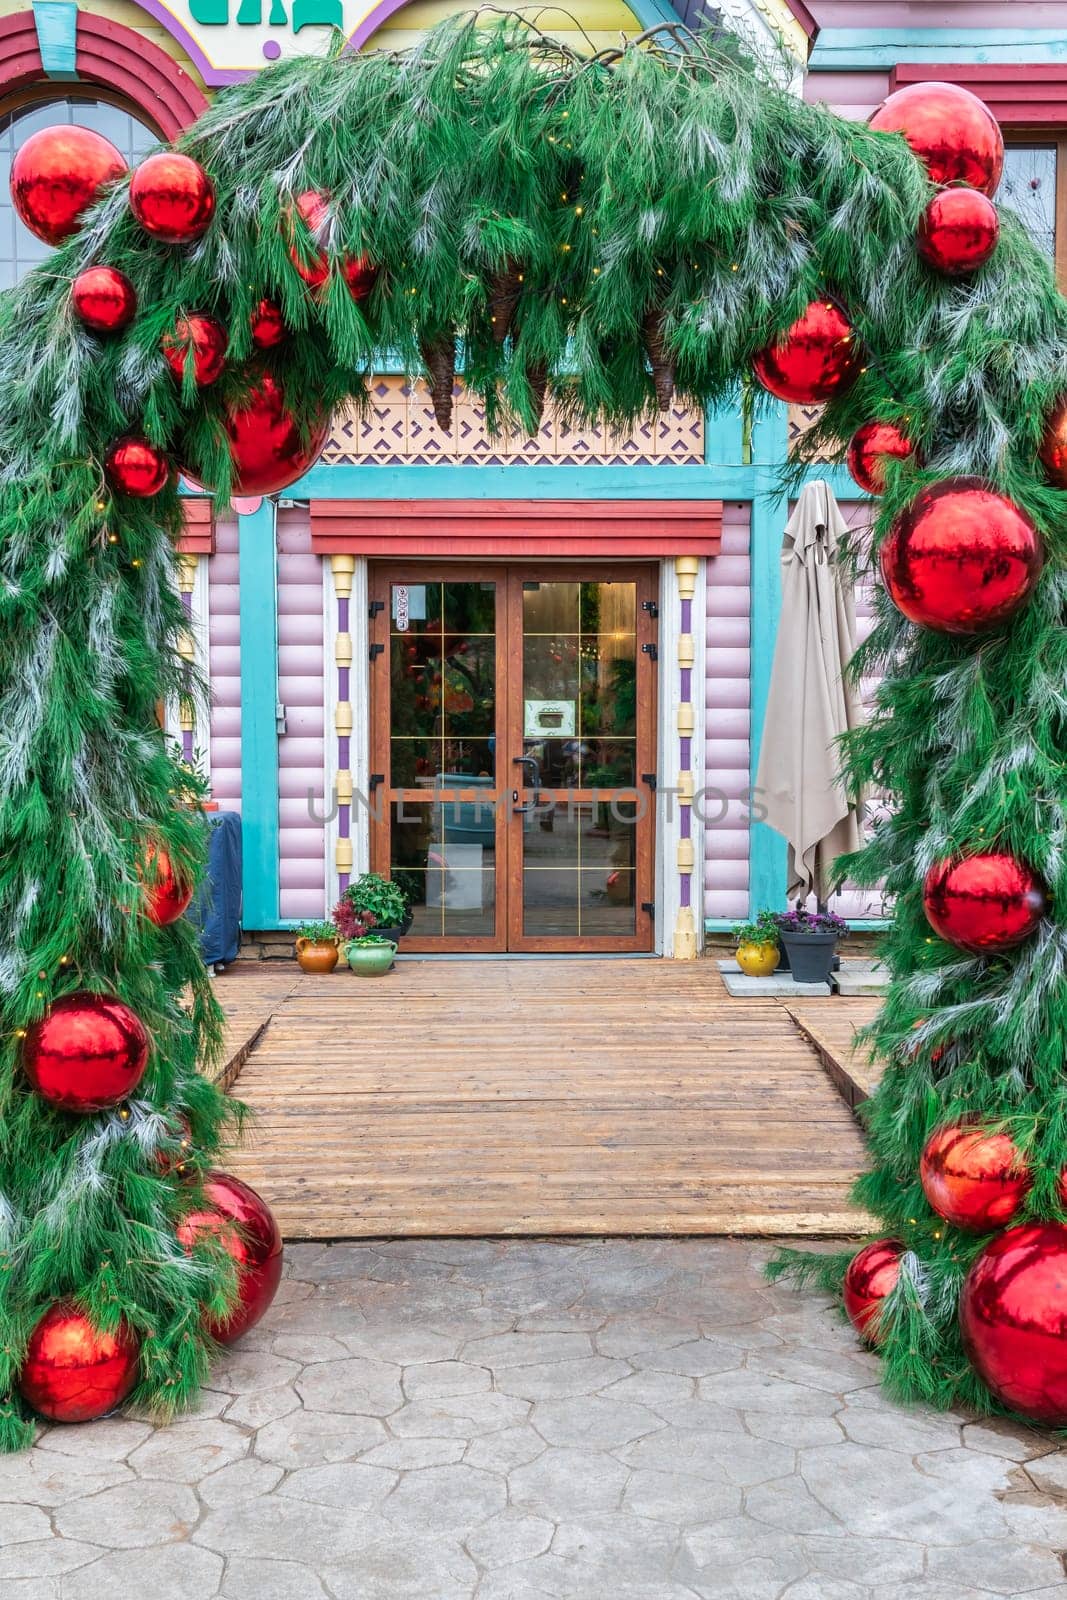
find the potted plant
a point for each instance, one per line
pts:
(810, 938)
(316, 946)
(370, 956)
(383, 901)
(757, 945)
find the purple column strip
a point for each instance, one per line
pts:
(187, 733)
(344, 812)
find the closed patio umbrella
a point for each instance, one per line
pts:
(810, 702)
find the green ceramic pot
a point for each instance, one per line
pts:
(369, 960)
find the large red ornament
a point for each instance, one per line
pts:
(816, 359)
(246, 1226)
(359, 271)
(207, 340)
(172, 197)
(958, 231)
(88, 1052)
(983, 903)
(104, 299)
(961, 558)
(975, 1179)
(950, 129)
(268, 326)
(1013, 1317)
(266, 446)
(167, 894)
(867, 448)
(1053, 448)
(72, 1373)
(871, 1275)
(57, 175)
(136, 468)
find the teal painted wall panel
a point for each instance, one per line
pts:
(257, 566)
(56, 22)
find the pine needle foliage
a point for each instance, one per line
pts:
(670, 184)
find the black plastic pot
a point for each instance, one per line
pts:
(389, 933)
(811, 955)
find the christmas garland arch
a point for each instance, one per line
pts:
(607, 229)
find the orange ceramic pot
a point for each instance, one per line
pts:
(316, 955)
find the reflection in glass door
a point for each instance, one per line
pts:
(512, 746)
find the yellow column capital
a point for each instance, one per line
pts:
(686, 569)
(188, 561)
(343, 568)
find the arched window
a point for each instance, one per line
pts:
(19, 249)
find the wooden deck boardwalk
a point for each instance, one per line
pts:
(537, 1097)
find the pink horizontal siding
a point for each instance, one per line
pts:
(850, 94)
(301, 749)
(727, 701)
(907, 14)
(224, 666)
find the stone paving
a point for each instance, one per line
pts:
(473, 1420)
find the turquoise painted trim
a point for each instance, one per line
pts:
(767, 849)
(650, 13)
(372, 482)
(257, 572)
(723, 444)
(56, 22)
(857, 924)
(856, 49)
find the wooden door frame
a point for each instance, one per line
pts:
(509, 576)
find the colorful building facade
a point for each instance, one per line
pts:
(526, 675)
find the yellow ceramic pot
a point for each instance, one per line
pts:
(757, 960)
(316, 955)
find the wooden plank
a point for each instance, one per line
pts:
(831, 1028)
(536, 1097)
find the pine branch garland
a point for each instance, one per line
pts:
(505, 290)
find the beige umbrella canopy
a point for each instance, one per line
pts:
(810, 702)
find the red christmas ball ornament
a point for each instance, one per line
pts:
(953, 132)
(57, 175)
(959, 231)
(172, 197)
(136, 468)
(266, 446)
(1053, 448)
(871, 1275)
(268, 328)
(88, 1052)
(167, 894)
(245, 1224)
(359, 272)
(73, 1373)
(985, 902)
(867, 448)
(103, 299)
(816, 359)
(1013, 1317)
(961, 558)
(207, 341)
(975, 1179)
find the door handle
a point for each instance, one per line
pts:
(531, 805)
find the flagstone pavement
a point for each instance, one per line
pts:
(477, 1420)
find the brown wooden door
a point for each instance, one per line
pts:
(512, 740)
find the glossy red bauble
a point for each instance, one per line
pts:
(960, 558)
(172, 197)
(871, 1275)
(959, 231)
(207, 340)
(975, 1179)
(72, 1373)
(103, 299)
(1013, 1317)
(359, 271)
(136, 468)
(984, 903)
(867, 448)
(167, 894)
(817, 358)
(87, 1053)
(950, 129)
(266, 445)
(268, 327)
(246, 1226)
(56, 176)
(1053, 448)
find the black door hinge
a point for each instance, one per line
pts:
(374, 780)
(375, 607)
(651, 651)
(649, 906)
(376, 650)
(651, 607)
(649, 778)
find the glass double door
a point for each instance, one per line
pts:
(513, 753)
